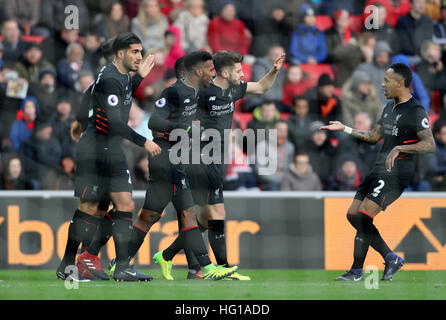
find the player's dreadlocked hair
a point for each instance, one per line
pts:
(226, 59)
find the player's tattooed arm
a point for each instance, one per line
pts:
(425, 144)
(372, 136)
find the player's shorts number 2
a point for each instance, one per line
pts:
(377, 190)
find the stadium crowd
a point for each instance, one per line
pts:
(335, 65)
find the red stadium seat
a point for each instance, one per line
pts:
(435, 101)
(247, 71)
(356, 23)
(433, 117)
(323, 22)
(315, 71)
(37, 39)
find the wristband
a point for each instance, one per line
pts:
(348, 130)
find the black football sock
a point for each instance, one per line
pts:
(363, 223)
(217, 240)
(137, 238)
(174, 248)
(379, 244)
(193, 241)
(82, 229)
(102, 235)
(121, 230)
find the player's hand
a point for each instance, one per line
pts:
(76, 131)
(279, 62)
(146, 65)
(152, 148)
(390, 160)
(157, 134)
(333, 126)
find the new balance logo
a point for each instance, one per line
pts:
(212, 98)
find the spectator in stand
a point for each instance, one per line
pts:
(299, 123)
(300, 175)
(297, 83)
(321, 151)
(1, 55)
(45, 92)
(55, 48)
(25, 12)
(339, 35)
(325, 106)
(330, 7)
(140, 172)
(13, 47)
(271, 30)
(378, 67)
(359, 95)
(384, 32)
(348, 57)
(264, 117)
(193, 23)
(395, 9)
(69, 68)
(307, 42)
(347, 176)
(418, 89)
(172, 46)
(92, 47)
(225, 32)
(113, 22)
(171, 9)
(61, 124)
(364, 152)
(282, 152)
(261, 67)
(150, 25)
(440, 28)
(431, 69)
(438, 181)
(412, 29)
(13, 177)
(65, 175)
(8, 105)
(23, 126)
(32, 62)
(53, 16)
(40, 154)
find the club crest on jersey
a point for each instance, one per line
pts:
(112, 100)
(160, 103)
(425, 123)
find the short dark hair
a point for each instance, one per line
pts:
(299, 97)
(124, 40)
(195, 58)
(179, 67)
(404, 71)
(224, 59)
(107, 49)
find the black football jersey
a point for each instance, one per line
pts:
(400, 123)
(176, 108)
(216, 106)
(108, 103)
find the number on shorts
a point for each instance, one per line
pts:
(377, 190)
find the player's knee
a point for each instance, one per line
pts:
(126, 206)
(188, 216)
(149, 217)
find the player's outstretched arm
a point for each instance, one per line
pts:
(152, 148)
(264, 84)
(425, 144)
(372, 136)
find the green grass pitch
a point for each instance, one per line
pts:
(265, 285)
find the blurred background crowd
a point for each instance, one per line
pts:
(336, 60)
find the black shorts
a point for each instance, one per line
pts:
(167, 182)
(97, 175)
(383, 187)
(206, 183)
